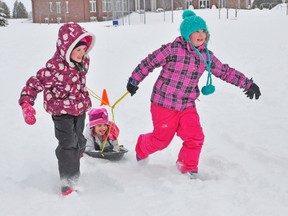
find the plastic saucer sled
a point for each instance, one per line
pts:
(112, 156)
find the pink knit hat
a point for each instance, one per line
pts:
(98, 116)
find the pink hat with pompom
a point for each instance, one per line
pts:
(97, 116)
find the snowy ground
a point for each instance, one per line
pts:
(243, 167)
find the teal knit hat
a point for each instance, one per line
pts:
(192, 23)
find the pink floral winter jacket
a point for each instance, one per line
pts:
(63, 83)
(177, 85)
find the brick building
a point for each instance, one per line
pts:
(61, 11)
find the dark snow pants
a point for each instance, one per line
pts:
(69, 132)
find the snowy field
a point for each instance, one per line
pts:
(243, 168)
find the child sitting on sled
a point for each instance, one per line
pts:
(101, 135)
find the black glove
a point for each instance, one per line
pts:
(253, 90)
(132, 86)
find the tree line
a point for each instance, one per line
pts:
(19, 11)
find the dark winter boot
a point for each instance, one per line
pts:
(66, 190)
(137, 158)
(192, 175)
(68, 185)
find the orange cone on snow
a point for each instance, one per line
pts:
(104, 100)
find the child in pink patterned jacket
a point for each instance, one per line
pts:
(173, 97)
(63, 82)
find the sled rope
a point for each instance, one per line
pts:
(93, 94)
(124, 95)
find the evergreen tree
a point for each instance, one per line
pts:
(6, 11)
(3, 20)
(19, 10)
(14, 13)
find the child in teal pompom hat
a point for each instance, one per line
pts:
(173, 109)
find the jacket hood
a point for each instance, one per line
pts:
(184, 43)
(68, 36)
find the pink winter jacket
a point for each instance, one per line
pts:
(177, 85)
(63, 83)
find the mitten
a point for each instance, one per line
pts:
(253, 91)
(28, 113)
(132, 86)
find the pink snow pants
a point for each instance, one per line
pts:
(167, 122)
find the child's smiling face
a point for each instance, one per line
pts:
(198, 38)
(78, 53)
(100, 129)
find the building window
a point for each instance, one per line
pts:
(67, 6)
(204, 3)
(125, 6)
(189, 3)
(106, 5)
(50, 7)
(92, 6)
(118, 5)
(58, 7)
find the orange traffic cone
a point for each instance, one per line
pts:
(104, 100)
